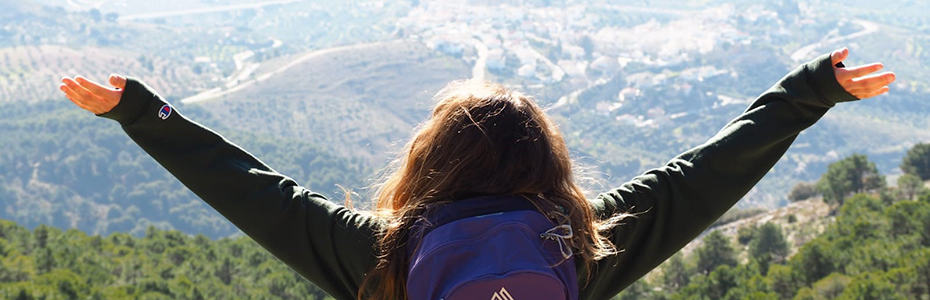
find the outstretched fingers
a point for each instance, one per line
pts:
(875, 92)
(108, 96)
(80, 96)
(858, 71)
(867, 84)
(93, 87)
(78, 90)
(90, 95)
(71, 95)
(861, 81)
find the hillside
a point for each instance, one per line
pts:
(670, 107)
(64, 168)
(873, 250)
(801, 221)
(32, 73)
(359, 102)
(857, 240)
(666, 109)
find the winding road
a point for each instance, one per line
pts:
(219, 92)
(806, 52)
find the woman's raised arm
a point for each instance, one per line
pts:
(678, 201)
(325, 242)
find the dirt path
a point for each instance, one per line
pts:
(477, 72)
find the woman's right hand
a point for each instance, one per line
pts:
(92, 96)
(861, 81)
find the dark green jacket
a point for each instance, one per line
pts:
(333, 246)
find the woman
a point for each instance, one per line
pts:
(482, 139)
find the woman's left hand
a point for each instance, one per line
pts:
(93, 96)
(860, 81)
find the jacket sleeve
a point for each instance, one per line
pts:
(327, 243)
(678, 201)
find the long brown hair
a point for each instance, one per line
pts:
(481, 139)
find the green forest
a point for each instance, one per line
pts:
(877, 248)
(64, 168)
(48, 263)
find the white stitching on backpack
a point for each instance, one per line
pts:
(502, 295)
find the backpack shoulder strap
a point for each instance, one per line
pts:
(444, 213)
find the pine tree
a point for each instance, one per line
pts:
(225, 271)
(43, 255)
(802, 191)
(854, 174)
(917, 161)
(675, 274)
(715, 252)
(814, 261)
(909, 185)
(768, 246)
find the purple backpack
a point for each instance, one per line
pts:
(490, 248)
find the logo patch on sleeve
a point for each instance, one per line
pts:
(164, 112)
